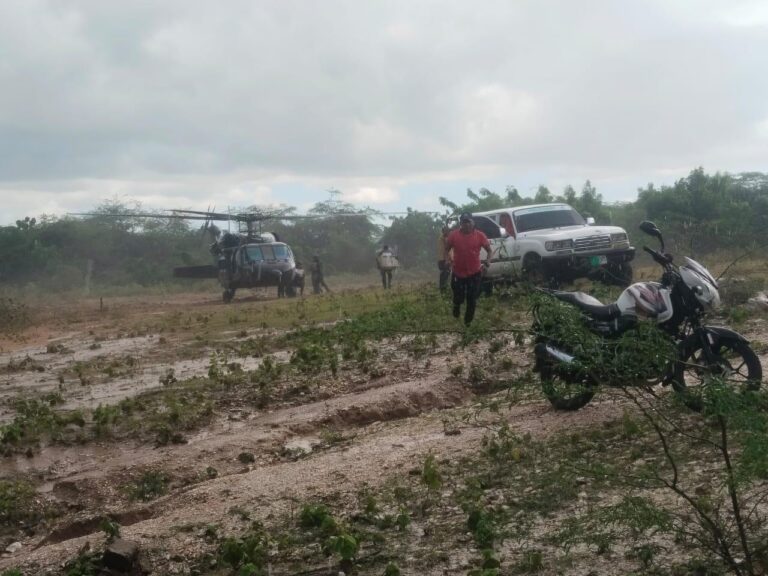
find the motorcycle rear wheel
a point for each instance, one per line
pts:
(565, 391)
(735, 362)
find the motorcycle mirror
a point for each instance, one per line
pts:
(652, 230)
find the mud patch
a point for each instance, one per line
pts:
(92, 524)
(399, 406)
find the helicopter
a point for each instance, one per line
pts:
(248, 258)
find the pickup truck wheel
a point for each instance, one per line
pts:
(533, 270)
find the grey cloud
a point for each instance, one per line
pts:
(311, 90)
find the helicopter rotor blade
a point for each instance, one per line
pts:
(200, 215)
(245, 217)
(141, 215)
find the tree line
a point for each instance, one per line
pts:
(699, 214)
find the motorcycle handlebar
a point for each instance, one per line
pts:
(662, 259)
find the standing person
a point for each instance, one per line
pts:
(466, 243)
(298, 278)
(442, 259)
(386, 262)
(318, 279)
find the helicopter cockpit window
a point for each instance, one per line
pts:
(281, 252)
(273, 252)
(254, 253)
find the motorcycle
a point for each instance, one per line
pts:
(677, 306)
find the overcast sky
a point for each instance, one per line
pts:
(185, 104)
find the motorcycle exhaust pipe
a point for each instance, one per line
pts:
(547, 351)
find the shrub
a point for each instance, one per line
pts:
(151, 485)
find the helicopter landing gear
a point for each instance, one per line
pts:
(227, 295)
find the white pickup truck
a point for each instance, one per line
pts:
(551, 243)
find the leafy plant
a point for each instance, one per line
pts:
(317, 516)
(430, 473)
(17, 502)
(726, 519)
(35, 419)
(149, 486)
(247, 554)
(86, 563)
(480, 523)
(246, 457)
(345, 545)
(312, 358)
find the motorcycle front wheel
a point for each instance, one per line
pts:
(565, 391)
(734, 362)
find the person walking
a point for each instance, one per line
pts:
(386, 262)
(298, 278)
(443, 259)
(318, 279)
(465, 244)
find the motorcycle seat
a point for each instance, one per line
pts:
(589, 305)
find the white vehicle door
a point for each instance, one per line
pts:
(510, 251)
(497, 237)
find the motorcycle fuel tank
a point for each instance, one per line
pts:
(647, 299)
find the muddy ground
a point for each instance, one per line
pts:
(322, 434)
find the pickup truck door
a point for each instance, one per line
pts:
(511, 250)
(498, 238)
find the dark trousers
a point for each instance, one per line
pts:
(445, 274)
(465, 289)
(386, 278)
(317, 282)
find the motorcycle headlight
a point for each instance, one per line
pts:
(707, 295)
(558, 245)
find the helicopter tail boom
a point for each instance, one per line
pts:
(206, 271)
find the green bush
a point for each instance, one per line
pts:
(17, 502)
(247, 554)
(149, 486)
(317, 516)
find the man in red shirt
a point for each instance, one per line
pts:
(465, 244)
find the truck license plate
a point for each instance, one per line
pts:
(598, 260)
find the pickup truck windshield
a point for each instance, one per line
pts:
(543, 217)
(267, 252)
